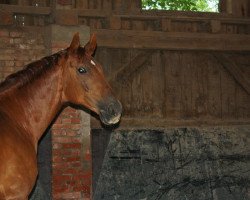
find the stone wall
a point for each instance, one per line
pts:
(173, 163)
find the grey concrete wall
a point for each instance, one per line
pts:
(175, 164)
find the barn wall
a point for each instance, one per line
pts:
(178, 86)
(169, 69)
(174, 73)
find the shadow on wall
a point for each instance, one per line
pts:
(42, 189)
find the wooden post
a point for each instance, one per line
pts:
(115, 22)
(166, 24)
(215, 26)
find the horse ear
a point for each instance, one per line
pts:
(91, 45)
(75, 43)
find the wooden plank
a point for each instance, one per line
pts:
(126, 72)
(215, 26)
(82, 4)
(158, 81)
(186, 16)
(170, 40)
(234, 70)
(91, 13)
(166, 24)
(186, 80)
(115, 23)
(172, 85)
(131, 123)
(66, 17)
(26, 9)
(214, 92)
(228, 96)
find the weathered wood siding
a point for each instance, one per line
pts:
(177, 85)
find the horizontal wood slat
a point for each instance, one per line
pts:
(170, 40)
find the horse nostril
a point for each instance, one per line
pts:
(111, 110)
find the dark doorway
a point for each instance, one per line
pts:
(99, 143)
(42, 189)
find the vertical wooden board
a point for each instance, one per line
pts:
(242, 98)
(138, 25)
(158, 80)
(147, 88)
(107, 5)
(136, 89)
(136, 96)
(95, 23)
(104, 56)
(172, 85)
(203, 77)
(214, 91)
(126, 24)
(186, 84)
(92, 4)
(115, 23)
(122, 89)
(82, 4)
(228, 96)
(125, 56)
(242, 104)
(116, 5)
(116, 56)
(199, 86)
(126, 91)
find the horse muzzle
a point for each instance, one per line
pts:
(110, 111)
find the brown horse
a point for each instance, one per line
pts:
(30, 100)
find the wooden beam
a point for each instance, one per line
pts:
(242, 79)
(131, 123)
(172, 40)
(186, 16)
(30, 10)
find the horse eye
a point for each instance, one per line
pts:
(82, 70)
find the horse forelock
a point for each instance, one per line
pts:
(30, 72)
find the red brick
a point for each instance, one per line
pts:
(71, 133)
(75, 120)
(71, 195)
(6, 18)
(74, 146)
(56, 146)
(61, 179)
(4, 33)
(72, 159)
(61, 189)
(16, 34)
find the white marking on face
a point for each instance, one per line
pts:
(92, 62)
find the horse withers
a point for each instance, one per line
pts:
(31, 98)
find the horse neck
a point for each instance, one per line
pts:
(35, 105)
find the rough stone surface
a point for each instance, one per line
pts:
(178, 163)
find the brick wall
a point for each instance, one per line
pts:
(71, 156)
(71, 160)
(19, 47)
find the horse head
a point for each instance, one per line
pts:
(85, 84)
